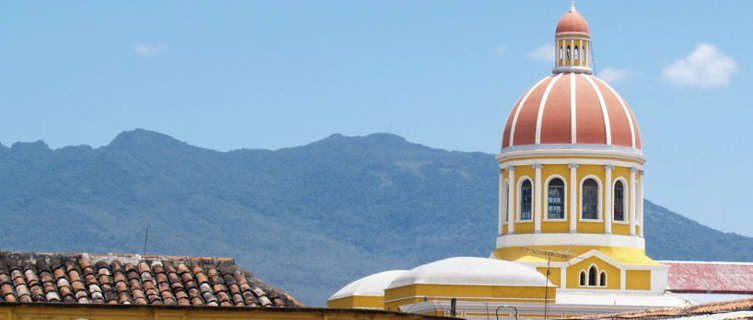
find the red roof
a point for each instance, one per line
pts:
(571, 108)
(573, 22)
(81, 278)
(714, 277)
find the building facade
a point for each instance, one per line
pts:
(570, 221)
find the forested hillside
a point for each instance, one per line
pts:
(308, 219)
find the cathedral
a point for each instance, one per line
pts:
(570, 221)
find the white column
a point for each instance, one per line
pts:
(537, 207)
(608, 198)
(502, 202)
(640, 202)
(573, 197)
(512, 200)
(633, 202)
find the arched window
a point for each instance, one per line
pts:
(619, 201)
(583, 278)
(555, 199)
(590, 199)
(585, 53)
(568, 53)
(575, 54)
(526, 200)
(603, 279)
(561, 53)
(592, 276)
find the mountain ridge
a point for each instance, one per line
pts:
(309, 218)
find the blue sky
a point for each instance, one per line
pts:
(253, 74)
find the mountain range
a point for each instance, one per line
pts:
(308, 219)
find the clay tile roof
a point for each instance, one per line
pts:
(669, 313)
(82, 278)
(717, 277)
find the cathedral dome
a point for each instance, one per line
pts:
(572, 108)
(370, 286)
(471, 271)
(572, 22)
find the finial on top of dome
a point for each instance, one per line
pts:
(572, 5)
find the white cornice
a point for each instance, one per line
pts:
(570, 239)
(566, 150)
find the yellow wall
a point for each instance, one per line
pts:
(628, 256)
(638, 280)
(137, 312)
(357, 302)
(613, 273)
(555, 277)
(396, 297)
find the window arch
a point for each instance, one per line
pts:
(555, 194)
(619, 201)
(583, 278)
(561, 56)
(603, 279)
(568, 53)
(592, 276)
(526, 200)
(590, 195)
(575, 54)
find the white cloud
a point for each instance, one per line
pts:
(614, 75)
(705, 67)
(148, 50)
(544, 53)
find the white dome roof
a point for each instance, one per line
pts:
(471, 271)
(372, 285)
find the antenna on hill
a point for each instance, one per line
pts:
(549, 254)
(146, 239)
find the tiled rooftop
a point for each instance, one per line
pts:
(81, 278)
(715, 308)
(703, 277)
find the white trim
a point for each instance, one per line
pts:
(571, 239)
(608, 170)
(579, 161)
(625, 218)
(633, 201)
(542, 107)
(641, 195)
(511, 200)
(565, 211)
(502, 204)
(520, 107)
(599, 209)
(607, 124)
(574, 197)
(573, 69)
(519, 199)
(623, 279)
(537, 212)
(572, 149)
(573, 109)
(624, 108)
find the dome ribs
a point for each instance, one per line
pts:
(555, 121)
(590, 127)
(620, 124)
(513, 119)
(524, 131)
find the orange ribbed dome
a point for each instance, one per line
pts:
(572, 108)
(572, 22)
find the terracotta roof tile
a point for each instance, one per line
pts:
(132, 279)
(668, 313)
